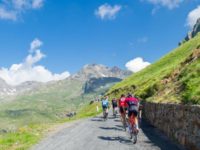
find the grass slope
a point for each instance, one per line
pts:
(175, 78)
(26, 136)
(24, 121)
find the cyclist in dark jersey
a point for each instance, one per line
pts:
(114, 104)
(132, 105)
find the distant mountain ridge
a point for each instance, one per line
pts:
(8, 90)
(87, 73)
(99, 71)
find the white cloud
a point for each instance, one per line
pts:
(5, 14)
(37, 3)
(35, 44)
(136, 64)
(165, 3)
(12, 9)
(107, 11)
(29, 71)
(193, 16)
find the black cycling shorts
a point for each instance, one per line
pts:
(105, 107)
(121, 110)
(134, 112)
(114, 105)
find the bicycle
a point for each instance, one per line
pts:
(132, 129)
(105, 114)
(115, 112)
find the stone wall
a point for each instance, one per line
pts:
(179, 122)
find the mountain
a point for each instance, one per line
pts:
(49, 102)
(8, 90)
(99, 71)
(5, 89)
(88, 75)
(175, 78)
(95, 84)
(194, 31)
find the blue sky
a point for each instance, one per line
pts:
(79, 32)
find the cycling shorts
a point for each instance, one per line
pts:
(121, 109)
(132, 112)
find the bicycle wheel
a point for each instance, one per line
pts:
(104, 116)
(134, 137)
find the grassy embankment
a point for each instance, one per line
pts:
(175, 78)
(26, 136)
(24, 121)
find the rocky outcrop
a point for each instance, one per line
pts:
(179, 122)
(94, 84)
(193, 33)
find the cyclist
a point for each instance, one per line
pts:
(114, 105)
(132, 105)
(122, 108)
(105, 105)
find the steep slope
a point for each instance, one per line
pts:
(175, 78)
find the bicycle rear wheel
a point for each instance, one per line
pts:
(134, 138)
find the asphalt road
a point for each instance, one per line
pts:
(96, 134)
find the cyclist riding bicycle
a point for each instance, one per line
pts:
(114, 105)
(132, 105)
(105, 105)
(121, 104)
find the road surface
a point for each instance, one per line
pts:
(96, 134)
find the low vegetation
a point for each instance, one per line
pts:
(26, 136)
(24, 121)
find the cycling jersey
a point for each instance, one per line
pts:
(122, 102)
(114, 103)
(105, 104)
(130, 101)
(132, 104)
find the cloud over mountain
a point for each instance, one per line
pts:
(136, 64)
(28, 70)
(193, 16)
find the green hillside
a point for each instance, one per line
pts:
(175, 78)
(25, 119)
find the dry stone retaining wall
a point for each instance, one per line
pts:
(179, 122)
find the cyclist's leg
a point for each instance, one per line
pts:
(122, 113)
(135, 113)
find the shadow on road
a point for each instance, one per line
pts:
(119, 138)
(111, 128)
(97, 118)
(117, 120)
(120, 126)
(94, 119)
(157, 138)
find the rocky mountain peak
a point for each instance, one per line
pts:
(193, 33)
(99, 71)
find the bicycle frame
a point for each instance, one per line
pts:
(133, 131)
